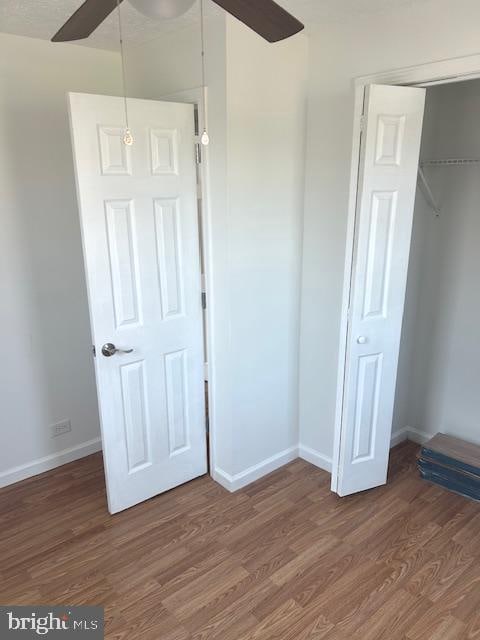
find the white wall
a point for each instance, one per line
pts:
(257, 98)
(408, 35)
(47, 372)
(266, 111)
(438, 389)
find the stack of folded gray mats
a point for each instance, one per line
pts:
(451, 463)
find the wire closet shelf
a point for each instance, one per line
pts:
(446, 162)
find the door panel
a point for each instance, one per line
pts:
(138, 211)
(168, 240)
(386, 194)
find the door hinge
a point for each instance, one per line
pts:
(198, 153)
(94, 351)
(204, 300)
(363, 123)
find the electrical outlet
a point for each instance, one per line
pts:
(60, 428)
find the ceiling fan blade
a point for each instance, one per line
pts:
(265, 17)
(85, 20)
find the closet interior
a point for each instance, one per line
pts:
(438, 383)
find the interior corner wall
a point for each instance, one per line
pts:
(47, 371)
(256, 113)
(407, 35)
(266, 127)
(439, 376)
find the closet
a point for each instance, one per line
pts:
(438, 382)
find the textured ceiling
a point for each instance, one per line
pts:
(42, 18)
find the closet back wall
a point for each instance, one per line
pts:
(439, 377)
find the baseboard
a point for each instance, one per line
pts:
(244, 478)
(236, 482)
(398, 436)
(420, 437)
(240, 480)
(24, 471)
(410, 433)
(315, 457)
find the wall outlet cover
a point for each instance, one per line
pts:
(60, 428)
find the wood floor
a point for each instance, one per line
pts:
(282, 559)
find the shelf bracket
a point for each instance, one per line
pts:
(427, 192)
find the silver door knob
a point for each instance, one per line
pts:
(362, 340)
(109, 350)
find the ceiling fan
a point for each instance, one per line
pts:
(265, 17)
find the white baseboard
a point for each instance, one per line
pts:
(15, 474)
(315, 457)
(420, 437)
(398, 436)
(244, 478)
(410, 433)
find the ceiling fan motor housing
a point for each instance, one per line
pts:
(162, 9)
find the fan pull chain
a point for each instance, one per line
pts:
(127, 136)
(205, 139)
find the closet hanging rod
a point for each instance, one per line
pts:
(449, 162)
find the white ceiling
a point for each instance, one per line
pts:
(42, 18)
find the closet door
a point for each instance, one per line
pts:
(386, 195)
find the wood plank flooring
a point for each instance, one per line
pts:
(282, 559)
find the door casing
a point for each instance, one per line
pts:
(423, 75)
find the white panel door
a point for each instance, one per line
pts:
(388, 174)
(139, 224)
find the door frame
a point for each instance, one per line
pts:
(195, 96)
(423, 75)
